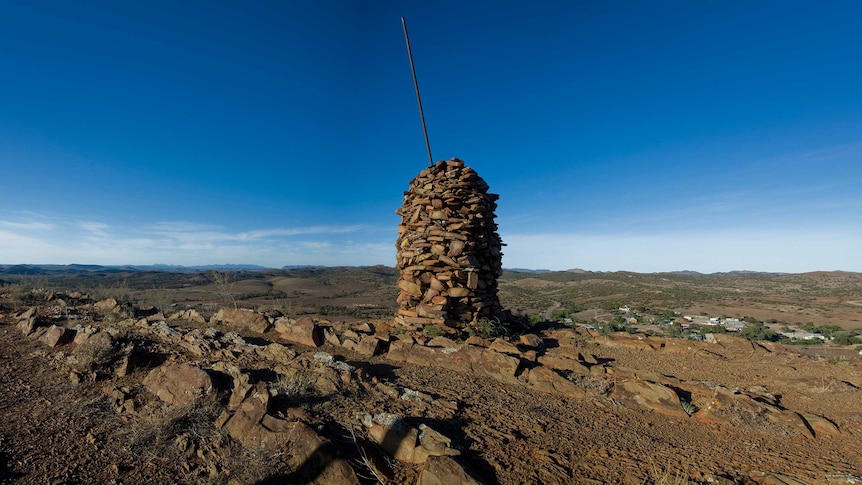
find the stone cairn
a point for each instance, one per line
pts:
(448, 250)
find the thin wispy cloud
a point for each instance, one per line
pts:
(37, 226)
(178, 242)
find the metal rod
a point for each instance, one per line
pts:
(418, 98)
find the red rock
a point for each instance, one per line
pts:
(650, 396)
(244, 319)
(107, 305)
(821, 426)
(465, 358)
(395, 437)
(562, 363)
(532, 341)
(57, 336)
(504, 347)
(178, 383)
(302, 331)
(477, 341)
(410, 287)
(546, 380)
(460, 292)
(444, 470)
(27, 326)
(370, 346)
(311, 455)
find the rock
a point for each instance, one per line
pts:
(504, 347)
(190, 315)
(480, 361)
(82, 334)
(245, 424)
(562, 363)
(26, 315)
(244, 319)
(821, 426)
(240, 383)
(547, 380)
(108, 305)
(178, 383)
(27, 326)
(394, 436)
(330, 336)
(532, 341)
(302, 331)
(628, 341)
(316, 459)
(55, 336)
(277, 352)
(442, 342)
(444, 470)
(370, 346)
(650, 397)
(477, 341)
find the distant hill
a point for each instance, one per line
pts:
(525, 270)
(54, 269)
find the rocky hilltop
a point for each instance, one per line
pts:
(108, 392)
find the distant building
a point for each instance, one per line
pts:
(802, 335)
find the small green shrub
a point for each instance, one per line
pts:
(432, 332)
(487, 328)
(688, 407)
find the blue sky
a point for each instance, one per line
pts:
(642, 136)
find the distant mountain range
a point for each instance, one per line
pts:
(45, 269)
(48, 269)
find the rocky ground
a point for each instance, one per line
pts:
(98, 392)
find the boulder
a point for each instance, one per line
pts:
(55, 336)
(444, 470)
(650, 397)
(244, 319)
(301, 331)
(245, 424)
(503, 346)
(563, 364)
(190, 315)
(370, 346)
(532, 341)
(394, 436)
(315, 459)
(822, 427)
(178, 383)
(108, 305)
(480, 361)
(27, 326)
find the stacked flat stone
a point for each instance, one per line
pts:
(449, 252)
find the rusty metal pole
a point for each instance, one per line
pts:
(418, 98)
